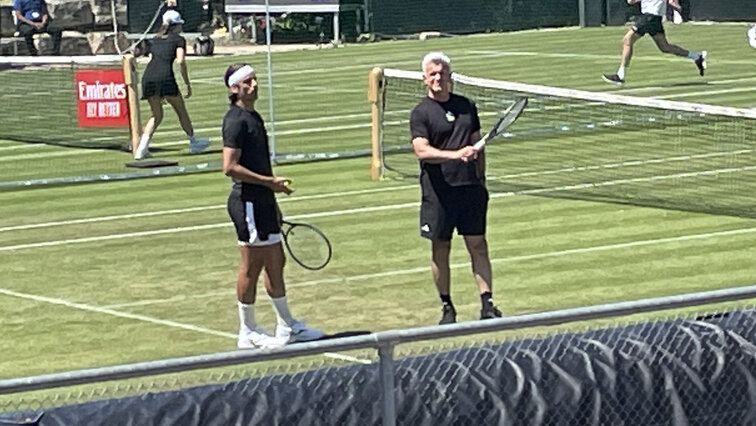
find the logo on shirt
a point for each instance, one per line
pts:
(450, 116)
(425, 228)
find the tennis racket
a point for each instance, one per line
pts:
(306, 244)
(506, 120)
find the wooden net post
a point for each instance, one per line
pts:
(375, 96)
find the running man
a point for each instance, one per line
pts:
(650, 22)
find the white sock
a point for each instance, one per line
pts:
(621, 72)
(281, 306)
(144, 141)
(246, 318)
(692, 54)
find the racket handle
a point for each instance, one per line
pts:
(479, 144)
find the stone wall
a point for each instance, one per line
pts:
(87, 27)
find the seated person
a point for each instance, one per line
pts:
(32, 18)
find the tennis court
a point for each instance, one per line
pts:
(117, 272)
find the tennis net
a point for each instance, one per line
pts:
(40, 101)
(64, 117)
(589, 145)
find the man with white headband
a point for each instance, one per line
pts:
(254, 211)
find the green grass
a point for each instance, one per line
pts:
(103, 274)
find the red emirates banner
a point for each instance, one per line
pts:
(101, 98)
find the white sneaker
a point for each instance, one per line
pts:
(141, 155)
(197, 145)
(258, 338)
(297, 332)
(142, 152)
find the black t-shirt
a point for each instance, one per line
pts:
(449, 126)
(245, 130)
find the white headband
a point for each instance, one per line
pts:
(240, 74)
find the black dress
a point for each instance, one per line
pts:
(158, 78)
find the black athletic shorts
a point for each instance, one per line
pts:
(257, 224)
(444, 208)
(648, 24)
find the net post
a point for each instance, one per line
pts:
(375, 97)
(128, 61)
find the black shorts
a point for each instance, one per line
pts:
(648, 24)
(257, 224)
(444, 208)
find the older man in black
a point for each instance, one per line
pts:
(444, 126)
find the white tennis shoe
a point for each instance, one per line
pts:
(197, 145)
(259, 339)
(297, 332)
(142, 153)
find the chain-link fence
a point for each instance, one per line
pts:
(690, 370)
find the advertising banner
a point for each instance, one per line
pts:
(101, 98)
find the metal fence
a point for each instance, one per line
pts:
(697, 369)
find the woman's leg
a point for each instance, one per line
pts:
(156, 107)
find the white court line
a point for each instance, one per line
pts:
(144, 318)
(178, 132)
(107, 311)
(199, 209)
(423, 269)
(520, 258)
(706, 93)
(708, 82)
(195, 228)
(536, 191)
(653, 58)
(198, 130)
(641, 163)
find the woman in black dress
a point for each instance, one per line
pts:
(159, 83)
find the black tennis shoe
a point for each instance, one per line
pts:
(613, 79)
(448, 315)
(701, 63)
(490, 311)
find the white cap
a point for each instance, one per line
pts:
(171, 17)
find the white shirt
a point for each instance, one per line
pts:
(654, 7)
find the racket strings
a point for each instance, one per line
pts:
(308, 247)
